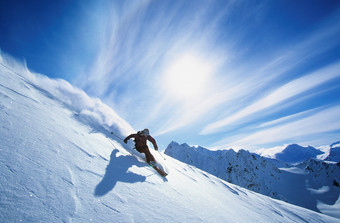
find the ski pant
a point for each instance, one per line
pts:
(145, 149)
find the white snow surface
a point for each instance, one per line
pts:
(58, 163)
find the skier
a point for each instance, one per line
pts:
(140, 143)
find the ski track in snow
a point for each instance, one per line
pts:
(56, 167)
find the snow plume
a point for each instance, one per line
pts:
(91, 111)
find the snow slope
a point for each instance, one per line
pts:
(58, 164)
(312, 184)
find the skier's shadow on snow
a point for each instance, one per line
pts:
(117, 170)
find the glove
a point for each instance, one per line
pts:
(156, 148)
(125, 141)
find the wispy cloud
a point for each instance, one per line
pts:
(138, 48)
(279, 95)
(324, 121)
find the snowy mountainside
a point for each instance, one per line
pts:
(240, 168)
(294, 184)
(334, 152)
(322, 173)
(58, 164)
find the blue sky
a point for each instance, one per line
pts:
(220, 74)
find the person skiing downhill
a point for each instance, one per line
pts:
(140, 139)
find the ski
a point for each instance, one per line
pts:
(160, 171)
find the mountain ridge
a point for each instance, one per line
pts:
(296, 184)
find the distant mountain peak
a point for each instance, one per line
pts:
(295, 153)
(334, 152)
(336, 144)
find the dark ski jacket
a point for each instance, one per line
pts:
(140, 140)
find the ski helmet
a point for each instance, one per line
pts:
(146, 132)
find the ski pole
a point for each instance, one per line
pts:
(117, 136)
(161, 155)
(111, 143)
